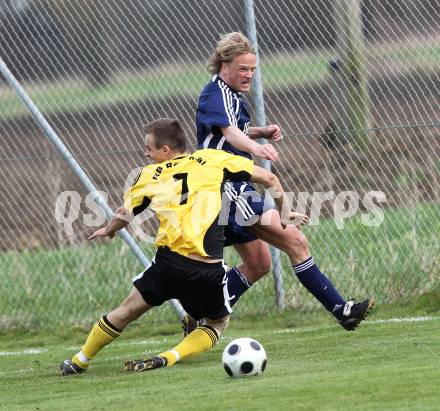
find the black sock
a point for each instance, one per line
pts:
(237, 285)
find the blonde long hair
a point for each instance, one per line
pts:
(229, 46)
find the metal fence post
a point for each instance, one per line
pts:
(260, 117)
(350, 82)
(74, 165)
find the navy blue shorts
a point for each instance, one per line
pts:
(245, 207)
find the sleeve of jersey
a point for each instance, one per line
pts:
(136, 197)
(216, 109)
(238, 168)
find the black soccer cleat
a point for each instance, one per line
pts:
(189, 324)
(354, 313)
(68, 367)
(145, 365)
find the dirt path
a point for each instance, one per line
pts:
(401, 162)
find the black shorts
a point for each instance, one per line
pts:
(200, 287)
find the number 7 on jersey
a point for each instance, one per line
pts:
(184, 178)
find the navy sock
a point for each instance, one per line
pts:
(237, 285)
(320, 286)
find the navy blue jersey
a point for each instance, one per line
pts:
(220, 106)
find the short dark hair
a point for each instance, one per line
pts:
(167, 132)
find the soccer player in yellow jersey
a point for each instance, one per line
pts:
(185, 193)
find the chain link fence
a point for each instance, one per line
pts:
(100, 70)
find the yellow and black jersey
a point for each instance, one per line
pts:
(185, 193)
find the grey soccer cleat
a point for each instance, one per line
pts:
(145, 365)
(189, 324)
(354, 313)
(68, 367)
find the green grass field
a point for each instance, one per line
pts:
(50, 298)
(313, 364)
(399, 259)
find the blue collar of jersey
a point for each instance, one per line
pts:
(216, 76)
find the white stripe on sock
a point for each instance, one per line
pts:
(176, 354)
(304, 266)
(83, 358)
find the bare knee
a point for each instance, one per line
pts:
(262, 265)
(256, 259)
(255, 268)
(297, 247)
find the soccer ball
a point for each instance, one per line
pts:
(244, 357)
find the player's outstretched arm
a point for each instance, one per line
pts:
(119, 220)
(271, 182)
(270, 132)
(241, 141)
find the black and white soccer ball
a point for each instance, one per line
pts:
(244, 357)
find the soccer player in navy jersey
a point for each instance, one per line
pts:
(188, 263)
(223, 123)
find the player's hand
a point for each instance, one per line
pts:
(292, 217)
(266, 151)
(101, 232)
(273, 132)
